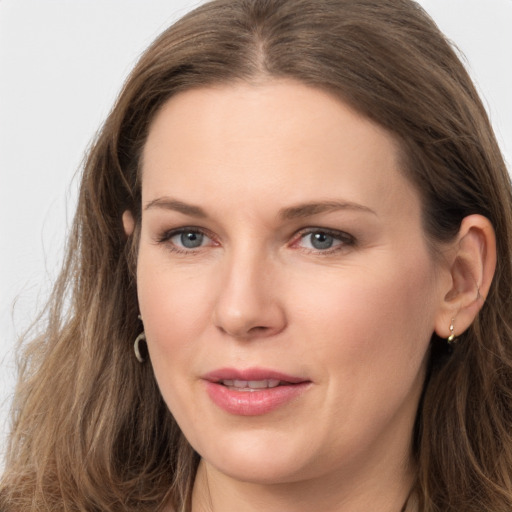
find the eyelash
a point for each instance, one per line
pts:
(346, 240)
(166, 237)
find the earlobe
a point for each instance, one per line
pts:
(128, 222)
(472, 266)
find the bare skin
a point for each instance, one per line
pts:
(279, 233)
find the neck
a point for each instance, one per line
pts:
(216, 492)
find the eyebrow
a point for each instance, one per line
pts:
(315, 208)
(288, 213)
(167, 203)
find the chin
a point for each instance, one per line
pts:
(259, 459)
(271, 470)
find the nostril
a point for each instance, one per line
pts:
(248, 333)
(259, 328)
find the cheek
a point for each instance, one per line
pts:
(372, 325)
(365, 339)
(174, 309)
(367, 300)
(174, 305)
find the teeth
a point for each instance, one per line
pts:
(261, 384)
(250, 384)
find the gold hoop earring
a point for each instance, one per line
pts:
(136, 348)
(452, 333)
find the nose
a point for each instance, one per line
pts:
(248, 304)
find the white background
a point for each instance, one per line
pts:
(61, 66)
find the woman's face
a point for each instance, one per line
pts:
(286, 288)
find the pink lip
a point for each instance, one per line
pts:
(259, 401)
(251, 374)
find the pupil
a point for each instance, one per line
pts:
(321, 241)
(191, 240)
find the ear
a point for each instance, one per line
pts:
(128, 222)
(472, 260)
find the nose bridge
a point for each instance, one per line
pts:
(248, 302)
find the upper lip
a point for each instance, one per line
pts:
(251, 374)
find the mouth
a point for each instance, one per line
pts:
(251, 385)
(252, 378)
(253, 392)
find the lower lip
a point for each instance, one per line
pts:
(254, 403)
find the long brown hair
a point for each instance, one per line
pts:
(90, 429)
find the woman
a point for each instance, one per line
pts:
(288, 279)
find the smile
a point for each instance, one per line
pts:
(253, 392)
(250, 385)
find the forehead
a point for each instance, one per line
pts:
(280, 139)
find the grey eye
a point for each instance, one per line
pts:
(189, 239)
(321, 240)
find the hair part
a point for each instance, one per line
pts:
(91, 430)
